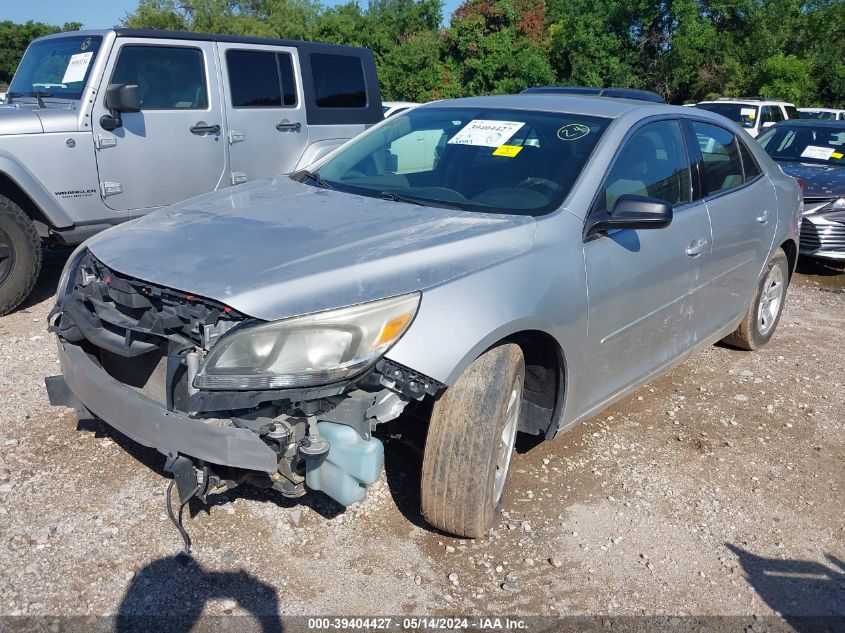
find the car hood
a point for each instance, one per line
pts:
(19, 121)
(278, 248)
(820, 181)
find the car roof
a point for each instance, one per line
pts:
(205, 37)
(811, 123)
(749, 101)
(619, 93)
(607, 107)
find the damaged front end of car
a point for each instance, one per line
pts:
(228, 399)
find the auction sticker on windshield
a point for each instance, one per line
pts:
(819, 153)
(76, 67)
(483, 133)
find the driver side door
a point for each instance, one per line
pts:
(643, 285)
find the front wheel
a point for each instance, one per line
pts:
(759, 323)
(470, 443)
(20, 255)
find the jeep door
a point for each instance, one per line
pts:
(173, 148)
(643, 285)
(265, 112)
(743, 210)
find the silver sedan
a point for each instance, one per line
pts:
(506, 264)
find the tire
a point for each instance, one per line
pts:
(762, 318)
(20, 250)
(470, 444)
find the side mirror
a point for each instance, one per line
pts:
(119, 98)
(634, 212)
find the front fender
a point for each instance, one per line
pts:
(32, 187)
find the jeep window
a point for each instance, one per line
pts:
(338, 81)
(792, 112)
(652, 163)
(745, 115)
(168, 77)
(496, 161)
(260, 79)
(56, 67)
(805, 144)
(720, 158)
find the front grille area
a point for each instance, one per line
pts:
(816, 237)
(130, 317)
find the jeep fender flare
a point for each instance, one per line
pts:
(52, 213)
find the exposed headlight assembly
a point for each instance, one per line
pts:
(69, 272)
(314, 349)
(834, 205)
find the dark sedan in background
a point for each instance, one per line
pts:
(813, 151)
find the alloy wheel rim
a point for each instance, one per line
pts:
(507, 440)
(7, 256)
(771, 300)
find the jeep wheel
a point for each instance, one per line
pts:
(759, 323)
(470, 443)
(20, 255)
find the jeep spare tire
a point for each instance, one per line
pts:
(20, 255)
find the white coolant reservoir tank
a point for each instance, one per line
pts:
(351, 463)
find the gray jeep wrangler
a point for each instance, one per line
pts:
(100, 127)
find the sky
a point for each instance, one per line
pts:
(94, 14)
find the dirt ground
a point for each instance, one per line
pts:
(715, 490)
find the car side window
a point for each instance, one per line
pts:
(653, 163)
(168, 77)
(722, 166)
(260, 79)
(766, 115)
(749, 164)
(338, 81)
(777, 114)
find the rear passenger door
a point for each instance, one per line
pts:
(264, 110)
(644, 285)
(742, 206)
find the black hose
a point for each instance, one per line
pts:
(178, 522)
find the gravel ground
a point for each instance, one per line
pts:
(715, 490)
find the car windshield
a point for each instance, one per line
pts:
(745, 115)
(56, 67)
(805, 144)
(489, 160)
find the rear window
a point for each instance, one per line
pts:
(260, 79)
(745, 115)
(338, 81)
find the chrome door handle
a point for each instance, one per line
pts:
(286, 125)
(696, 248)
(763, 218)
(201, 127)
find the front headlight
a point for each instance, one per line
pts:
(67, 278)
(314, 349)
(834, 205)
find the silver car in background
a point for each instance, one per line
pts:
(519, 265)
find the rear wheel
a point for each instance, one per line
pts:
(763, 315)
(20, 255)
(470, 443)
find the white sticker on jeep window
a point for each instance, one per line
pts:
(76, 67)
(819, 153)
(749, 112)
(483, 133)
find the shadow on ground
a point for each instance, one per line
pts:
(171, 593)
(810, 596)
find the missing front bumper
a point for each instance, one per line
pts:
(148, 422)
